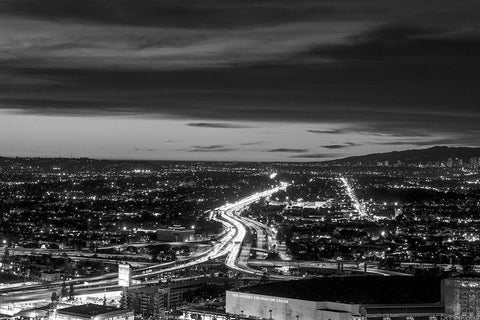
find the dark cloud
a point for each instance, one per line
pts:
(251, 143)
(210, 148)
(379, 78)
(313, 156)
(221, 125)
(172, 13)
(335, 146)
(234, 13)
(366, 129)
(341, 146)
(288, 150)
(332, 131)
(145, 149)
(419, 143)
(407, 43)
(389, 98)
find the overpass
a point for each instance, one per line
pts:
(261, 250)
(337, 265)
(155, 243)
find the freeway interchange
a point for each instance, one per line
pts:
(230, 244)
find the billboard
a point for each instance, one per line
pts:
(124, 275)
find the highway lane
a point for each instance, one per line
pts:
(263, 236)
(228, 245)
(353, 197)
(234, 260)
(239, 263)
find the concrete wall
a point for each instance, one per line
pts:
(333, 315)
(339, 307)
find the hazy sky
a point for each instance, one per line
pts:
(289, 80)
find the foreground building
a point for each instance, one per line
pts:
(157, 300)
(462, 298)
(94, 312)
(340, 298)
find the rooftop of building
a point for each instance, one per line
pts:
(89, 310)
(356, 289)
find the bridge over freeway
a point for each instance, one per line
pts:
(338, 265)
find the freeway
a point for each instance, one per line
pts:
(229, 214)
(262, 231)
(229, 244)
(353, 198)
(235, 260)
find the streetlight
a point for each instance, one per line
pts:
(270, 313)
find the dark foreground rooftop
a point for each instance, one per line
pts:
(88, 310)
(362, 289)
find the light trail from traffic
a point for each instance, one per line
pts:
(353, 198)
(229, 245)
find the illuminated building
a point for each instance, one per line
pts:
(124, 275)
(462, 298)
(149, 301)
(155, 300)
(50, 276)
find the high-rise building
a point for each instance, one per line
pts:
(156, 300)
(148, 302)
(462, 298)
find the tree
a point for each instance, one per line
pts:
(273, 256)
(54, 297)
(71, 292)
(467, 263)
(123, 299)
(64, 292)
(265, 277)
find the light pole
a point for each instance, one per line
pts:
(270, 313)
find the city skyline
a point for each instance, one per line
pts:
(275, 81)
(239, 160)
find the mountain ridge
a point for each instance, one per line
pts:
(433, 154)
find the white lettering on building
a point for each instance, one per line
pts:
(262, 298)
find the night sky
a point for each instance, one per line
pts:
(287, 80)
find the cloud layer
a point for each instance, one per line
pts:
(383, 68)
(221, 125)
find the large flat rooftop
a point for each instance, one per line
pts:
(356, 289)
(88, 310)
